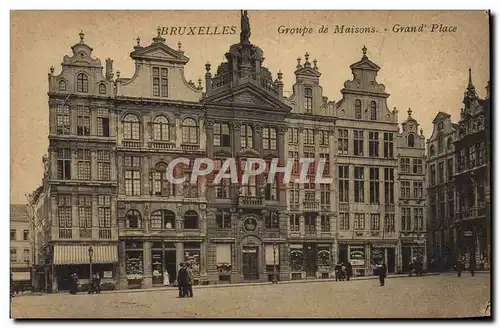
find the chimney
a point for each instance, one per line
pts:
(109, 69)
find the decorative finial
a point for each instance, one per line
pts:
(52, 70)
(306, 56)
(470, 85)
(199, 84)
(421, 131)
(364, 50)
(158, 30)
(118, 74)
(179, 45)
(280, 75)
(138, 41)
(409, 112)
(207, 67)
(158, 38)
(298, 63)
(81, 36)
(315, 62)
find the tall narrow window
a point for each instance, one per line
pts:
(296, 164)
(269, 138)
(250, 188)
(271, 190)
(418, 166)
(325, 194)
(388, 145)
(246, 136)
(374, 222)
(418, 213)
(62, 85)
(293, 135)
(374, 185)
(102, 89)
(344, 221)
(389, 185)
(64, 164)
(82, 83)
(440, 141)
(160, 82)
(104, 211)
(84, 164)
(323, 138)
(83, 121)
(223, 219)
(131, 127)
(405, 165)
(64, 215)
(406, 219)
(85, 214)
(325, 223)
(326, 159)
(191, 219)
(359, 184)
(418, 189)
(357, 109)
(449, 169)
(432, 176)
(294, 222)
(343, 183)
(161, 129)
(373, 144)
(358, 142)
(343, 141)
(133, 219)
(308, 97)
(310, 223)
(164, 82)
(308, 137)
(293, 194)
(189, 131)
(132, 166)
(161, 185)
(103, 122)
(451, 204)
(405, 189)
(221, 135)
(411, 140)
(63, 120)
(272, 220)
(103, 165)
(441, 172)
(359, 221)
(390, 223)
(373, 111)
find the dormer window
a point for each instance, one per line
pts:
(373, 111)
(82, 83)
(432, 151)
(440, 143)
(62, 86)
(308, 100)
(440, 126)
(411, 140)
(160, 82)
(357, 109)
(102, 89)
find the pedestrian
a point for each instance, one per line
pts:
(74, 284)
(348, 271)
(343, 272)
(11, 284)
(337, 272)
(458, 268)
(472, 268)
(189, 281)
(166, 278)
(382, 272)
(181, 280)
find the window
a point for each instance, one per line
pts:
(161, 185)
(405, 165)
(375, 222)
(102, 89)
(343, 184)
(373, 111)
(102, 122)
(406, 219)
(249, 189)
(357, 109)
(374, 185)
(389, 185)
(326, 168)
(272, 220)
(388, 145)
(296, 164)
(269, 138)
(221, 135)
(432, 151)
(325, 194)
(418, 189)
(358, 142)
(411, 140)
(344, 221)
(461, 160)
(26, 235)
(308, 136)
(161, 129)
(12, 234)
(222, 190)
(85, 212)
(359, 184)
(405, 189)
(308, 100)
(449, 143)
(132, 175)
(103, 165)
(310, 223)
(309, 192)
(325, 223)
(246, 136)
(293, 194)
(223, 219)
(26, 255)
(472, 157)
(131, 127)
(440, 139)
(323, 138)
(271, 189)
(418, 166)
(64, 164)
(294, 222)
(84, 164)
(480, 153)
(433, 206)
(63, 120)
(451, 204)
(432, 176)
(162, 219)
(293, 135)
(440, 172)
(62, 86)
(160, 82)
(13, 255)
(189, 131)
(449, 169)
(104, 211)
(442, 204)
(359, 221)
(390, 223)
(373, 144)
(190, 190)
(343, 141)
(133, 219)
(65, 219)
(418, 213)
(191, 220)
(440, 126)
(82, 83)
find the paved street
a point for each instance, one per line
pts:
(429, 296)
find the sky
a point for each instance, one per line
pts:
(426, 71)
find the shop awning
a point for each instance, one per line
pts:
(79, 254)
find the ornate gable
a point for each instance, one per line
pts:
(159, 51)
(441, 116)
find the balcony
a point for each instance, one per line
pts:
(85, 233)
(250, 200)
(188, 147)
(472, 213)
(104, 233)
(310, 206)
(132, 144)
(161, 145)
(325, 207)
(220, 80)
(268, 85)
(65, 234)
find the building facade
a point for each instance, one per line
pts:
(20, 244)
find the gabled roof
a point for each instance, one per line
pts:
(18, 212)
(159, 51)
(365, 64)
(307, 71)
(440, 116)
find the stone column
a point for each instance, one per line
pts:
(284, 251)
(282, 160)
(148, 277)
(178, 131)
(93, 120)
(74, 164)
(203, 259)
(302, 226)
(179, 253)
(235, 137)
(258, 138)
(203, 134)
(122, 270)
(209, 128)
(399, 257)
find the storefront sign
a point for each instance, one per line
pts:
(383, 245)
(108, 274)
(357, 256)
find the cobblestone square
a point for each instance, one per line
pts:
(441, 296)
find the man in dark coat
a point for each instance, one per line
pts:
(382, 273)
(74, 284)
(348, 271)
(189, 281)
(182, 280)
(338, 268)
(459, 268)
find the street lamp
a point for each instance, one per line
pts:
(91, 252)
(275, 279)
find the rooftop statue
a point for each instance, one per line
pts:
(245, 27)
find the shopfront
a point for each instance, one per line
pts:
(164, 264)
(383, 253)
(297, 261)
(357, 256)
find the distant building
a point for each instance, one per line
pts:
(20, 244)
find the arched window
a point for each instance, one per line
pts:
(62, 85)
(373, 111)
(411, 140)
(133, 219)
(102, 89)
(357, 108)
(162, 219)
(191, 220)
(161, 131)
(449, 143)
(131, 127)
(189, 131)
(440, 143)
(246, 136)
(432, 151)
(82, 83)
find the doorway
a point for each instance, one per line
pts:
(406, 258)
(250, 263)
(171, 264)
(311, 260)
(391, 260)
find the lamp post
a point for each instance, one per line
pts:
(91, 252)
(275, 280)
